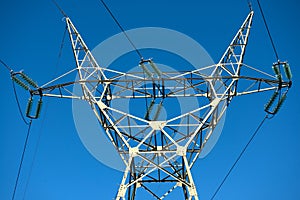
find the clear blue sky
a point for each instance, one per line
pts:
(31, 33)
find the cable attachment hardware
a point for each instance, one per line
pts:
(280, 99)
(277, 71)
(152, 65)
(287, 70)
(28, 80)
(23, 80)
(19, 82)
(279, 96)
(271, 101)
(149, 110)
(28, 84)
(38, 108)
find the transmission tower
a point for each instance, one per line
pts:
(154, 150)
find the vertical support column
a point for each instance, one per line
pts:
(123, 188)
(130, 166)
(193, 195)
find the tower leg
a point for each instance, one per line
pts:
(123, 187)
(132, 188)
(129, 184)
(193, 195)
(185, 193)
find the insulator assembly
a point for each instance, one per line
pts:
(28, 80)
(155, 68)
(20, 83)
(279, 77)
(282, 99)
(149, 110)
(271, 101)
(158, 110)
(146, 70)
(275, 68)
(37, 108)
(29, 106)
(25, 82)
(276, 108)
(286, 67)
(287, 71)
(279, 95)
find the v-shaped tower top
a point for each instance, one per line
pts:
(230, 62)
(234, 54)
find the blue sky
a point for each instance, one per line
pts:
(31, 33)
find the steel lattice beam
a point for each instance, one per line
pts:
(154, 150)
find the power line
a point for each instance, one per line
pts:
(267, 27)
(59, 8)
(60, 49)
(122, 29)
(28, 129)
(44, 117)
(22, 158)
(18, 103)
(132, 44)
(35, 151)
(5, 65)
(15, 92)
(250, 5)
(239, 157)
(27, 135)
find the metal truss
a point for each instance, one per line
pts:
(156, 150)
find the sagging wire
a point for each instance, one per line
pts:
(43, 118)
(26, 83)
(18, 103)
(122, 29)
(240, 155)
(250, 5)
(268, 30)
(61, 48)
(6, 66)
(24, 120)
(146, 71)
(22, 159)
(59, 8)
(19, 82)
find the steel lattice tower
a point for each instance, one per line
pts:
(156, 151)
